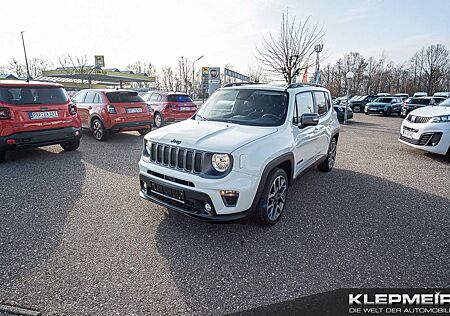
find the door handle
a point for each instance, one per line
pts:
(89, 107)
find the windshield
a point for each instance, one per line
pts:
(445, 103)
(33, 95)
(123, 97)
(246, 107)
(420, 101)
(179, 98)
(383, 100)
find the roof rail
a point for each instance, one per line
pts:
(303, 84)
(237, 84)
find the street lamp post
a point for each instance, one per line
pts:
(349, 77)
(317, 48)
(193, 71)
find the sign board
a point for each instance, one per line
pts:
(205, 71)
(99, 61)
(236, 75)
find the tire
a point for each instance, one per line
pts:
(2, 156)
(158, 120)
(366, 113)
(71, 145)
(329, 162)
(98, 130)
(273, 198)
(144, 131)
(388, 112)
(357, 109)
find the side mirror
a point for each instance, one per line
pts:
(74, 101)
(393, 101)
(308, 119)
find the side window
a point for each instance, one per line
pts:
(97, 98)
(89, 97)
(159, 98)
(78, 98)
(154, 97)
(321, 104)
(305, 104)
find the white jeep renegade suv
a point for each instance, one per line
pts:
(240, 152)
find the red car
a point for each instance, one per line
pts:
(170, 106)
(35, 114)
(106, 111)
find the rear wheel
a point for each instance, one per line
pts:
(328, 164)
(144, 131)
(356, 109)
(273, 198)
(98, 130)
(2, 156)
(158, 120)
(71, 145)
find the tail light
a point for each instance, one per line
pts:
(170, 105)
(111, 109)
(5, 113)
(72, 109)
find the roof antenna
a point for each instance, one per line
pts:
(26, 59)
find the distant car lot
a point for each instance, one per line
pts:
(76, 238)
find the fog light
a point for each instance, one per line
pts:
(229, 197)
(208, 207)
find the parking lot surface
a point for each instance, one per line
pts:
(76, 239)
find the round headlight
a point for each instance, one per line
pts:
(221, 162)
(148, 147)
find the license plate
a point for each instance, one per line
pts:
(134, 110)
(185, 108)
(174, 194)
(408, 134)
(43, 115)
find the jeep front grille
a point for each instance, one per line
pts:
(186, 159)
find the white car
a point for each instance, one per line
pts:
(428, 128)
(240, 152)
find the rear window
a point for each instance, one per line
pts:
(179, 98)
(123, 97)
(33, 95)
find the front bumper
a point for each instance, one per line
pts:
(40, 138)
(374, 110)
(245, 184)
(431, 137)
(193, 203)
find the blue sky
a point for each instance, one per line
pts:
(225, 32)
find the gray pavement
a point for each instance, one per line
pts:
(76, 239)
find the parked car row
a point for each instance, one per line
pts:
(35, 114)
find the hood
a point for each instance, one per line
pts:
(209, 136)
(432, 111)
(377, 104)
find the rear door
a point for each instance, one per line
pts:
(322, 104)
(83, 111)
(38, 108)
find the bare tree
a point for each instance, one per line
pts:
(17, 68)
(435, 65)
(256, 74)
(167, 79)
(76, 66)
(289, 52)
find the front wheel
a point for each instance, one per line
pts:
(273, 198)
(2, 156)
(328, 163)
(356, 109)
(388, 112)
(158, 120)
(71, 145)
(98, 129)
(144, 131)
